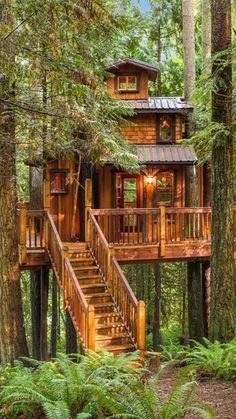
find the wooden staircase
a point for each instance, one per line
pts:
(110, 331)
(103, 308)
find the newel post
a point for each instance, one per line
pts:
(91, 328)
(88, 206)
(162, 231)
(22, 232)
(141, 332)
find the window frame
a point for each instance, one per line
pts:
(136, 75)
(173, 128)
(168, 189)
(64, 172)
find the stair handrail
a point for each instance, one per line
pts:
(132, 310)
(82, 313)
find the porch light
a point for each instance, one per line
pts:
(150, 180)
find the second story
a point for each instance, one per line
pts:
(156, 120)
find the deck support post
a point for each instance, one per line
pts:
(162, 231)
(141, 326)
(88, 206)
(22, 230)
(91, 328)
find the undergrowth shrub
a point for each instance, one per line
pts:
(99, 386)
(215, 359)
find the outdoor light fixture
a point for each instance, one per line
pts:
(150, 180)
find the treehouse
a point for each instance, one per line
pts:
(85, 232)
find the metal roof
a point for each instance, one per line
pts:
(152, 69)
(159, 104)
(162, 154)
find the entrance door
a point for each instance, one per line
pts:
(128, 196)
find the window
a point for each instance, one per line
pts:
(127, 83)
(165, 188)
(59, 181)
(166, 128)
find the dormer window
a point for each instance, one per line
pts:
(166, 129)
(127, 83)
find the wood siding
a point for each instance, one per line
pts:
(144, 130)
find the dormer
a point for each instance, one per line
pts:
(130, 79)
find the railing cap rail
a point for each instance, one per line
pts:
(125, 282)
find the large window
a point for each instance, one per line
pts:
(127, 83)
(166, 129)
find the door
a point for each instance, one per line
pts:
(128, 196)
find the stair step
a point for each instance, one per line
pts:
(106, 316)
(89, 277)
(90, 287)
(112, 325)
(100, 297)
(103, 307)
(78, 259)
(85, 268)
(90, 281)
(118, 349)
(100, 338)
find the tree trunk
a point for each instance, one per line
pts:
(222, 317)
(54, 325)
(189, 48)
(84, 174)
(157, 308)
(195, 302)
(35, 277)
(12, 333)
(71, 337)
(206, 36)
(44, 285)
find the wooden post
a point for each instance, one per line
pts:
(162, 231)
(23, 232)
(91, 328)
(88, 206)
(111, 252)
(141, 326)
(64, 255)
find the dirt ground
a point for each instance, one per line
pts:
(219, 394)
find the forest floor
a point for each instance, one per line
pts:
(219, 394)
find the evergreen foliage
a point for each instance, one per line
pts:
(99, 386)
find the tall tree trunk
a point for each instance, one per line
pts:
(71, 337)
(195, 302)
(44, 287)
(223, 297)
(189, 48)
(35, 278)
(206, 36)
(54, 325)
(12, 333)
(194, 279)
(157, 308)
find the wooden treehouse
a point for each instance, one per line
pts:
(121, 217)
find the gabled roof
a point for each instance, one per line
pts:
(159, 104)
(152, 69)
(166, 154)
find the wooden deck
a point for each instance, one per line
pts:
(163, 234)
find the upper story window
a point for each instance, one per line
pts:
(166, 129)
(127, 83)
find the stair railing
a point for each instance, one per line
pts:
(82, 313)
(131, 310)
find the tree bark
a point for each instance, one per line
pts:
(206, 36)
(71, 337)
(35, 278)
(189, 48)
(54, 325)
(44, 287)
(157, 308)
(195, 302)
(223, 296)
(12, 333)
